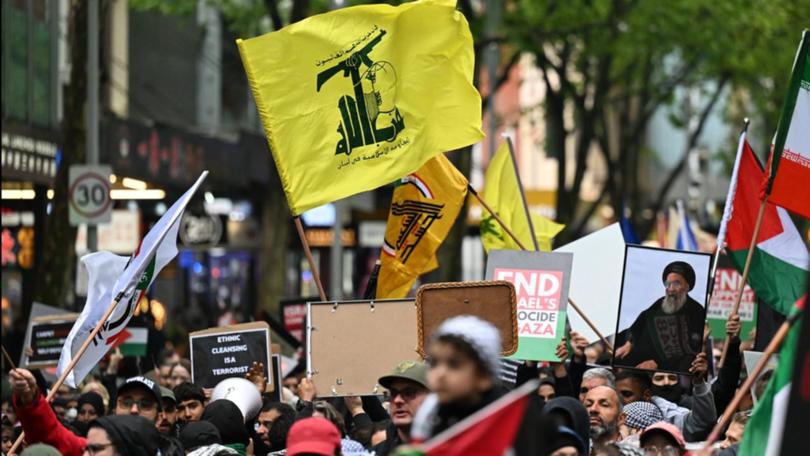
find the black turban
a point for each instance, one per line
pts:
(681, 268)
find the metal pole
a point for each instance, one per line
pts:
(92, 102)
(493, 19)
(336, 254)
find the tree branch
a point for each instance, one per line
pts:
(272, 11)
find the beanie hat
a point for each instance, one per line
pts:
(199, 433)
(131, 435)
(40, 449)
(481, 335)
(227, 418)
(683, 269)
(94, 399)
(640, 414)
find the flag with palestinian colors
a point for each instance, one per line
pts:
(423, 209)
(789, 173)
(778, 271)
(113, 277)
(358, 97)
(765, 429)
(502, 193)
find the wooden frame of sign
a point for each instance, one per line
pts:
(490, 300)
(350, 344)
(238, 354)
(62, 324)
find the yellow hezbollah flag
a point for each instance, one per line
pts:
(359, 97)
(423, 209)
(502, 193)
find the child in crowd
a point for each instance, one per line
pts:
(462, 361)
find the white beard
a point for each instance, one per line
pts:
(673, 304)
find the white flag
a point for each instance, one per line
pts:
(111, 276)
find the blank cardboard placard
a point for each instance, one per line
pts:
(596, 280)
(490, 300)
(353, 343)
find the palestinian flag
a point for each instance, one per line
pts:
(765, 430)
(492, 430)
(778, 271)
(133, 342)
(789, 170)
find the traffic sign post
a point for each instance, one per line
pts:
(89, 194)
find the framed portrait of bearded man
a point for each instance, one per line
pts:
(662, 309)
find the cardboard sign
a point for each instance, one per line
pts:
(351, 344)
(541, 281)
(726, 281)
(751, 359)
(39, 310)
(48, 335)
(596, 279)
(662, 311)
(229, 351)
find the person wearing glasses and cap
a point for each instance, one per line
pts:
(137, 396)
(407, 388)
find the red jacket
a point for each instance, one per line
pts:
(41, 426)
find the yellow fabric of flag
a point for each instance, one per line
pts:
(358, 97)
(423, 209)
(502, 193)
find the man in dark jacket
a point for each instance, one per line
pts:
(407, 388)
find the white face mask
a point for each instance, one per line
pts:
(71, 414)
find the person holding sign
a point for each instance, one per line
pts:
(669, 334)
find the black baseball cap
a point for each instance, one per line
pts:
(144, 383)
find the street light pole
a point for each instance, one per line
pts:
(91, 119)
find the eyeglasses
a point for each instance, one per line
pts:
(407, 393)
(94, 448)
(668, 450)
(143, 404)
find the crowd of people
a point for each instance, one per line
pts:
(581, 406)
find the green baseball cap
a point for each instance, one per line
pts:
(166, 393)
(414, 371)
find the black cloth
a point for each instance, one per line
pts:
(562, 385)
(227, 418)
(199, 433)
(391, 442)
(450, 414)
(672, 340)
(131, 435)
(569, 412)
(728, 377)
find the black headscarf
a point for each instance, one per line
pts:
(131, 435)
(93, 399)
(573, 415)
(228, 419)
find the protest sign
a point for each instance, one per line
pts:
(596, 278)
(541, 281)
(726, 282)
(662, 309)
(229, 351)
(751, 358)
(37, 310)
(48, 334)
(350, 344)
(490, 300)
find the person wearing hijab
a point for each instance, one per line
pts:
(89, 407)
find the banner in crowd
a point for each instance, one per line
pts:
(726, 282)
(541, 283)
(596, 280)
(423, 209)
(112, 277)
(37, 310)
(351, 344)
(229, 351)
(662, 309)
(48, 336)
(355, 97)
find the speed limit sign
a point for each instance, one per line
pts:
(89, 194)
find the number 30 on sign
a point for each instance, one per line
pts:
(89, 194)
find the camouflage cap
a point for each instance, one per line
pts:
(414, 371)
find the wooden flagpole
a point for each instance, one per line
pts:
(8, 358)
(74, 361)
(746, 269)
(522, 247)
(522, 193)
(315, 274)
(752, 377)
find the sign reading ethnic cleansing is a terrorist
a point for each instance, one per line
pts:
(229, 351)
(541, 283)
(662, 309)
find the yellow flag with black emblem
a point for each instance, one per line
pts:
(423, 209)
(356, 98)
(502, 193)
